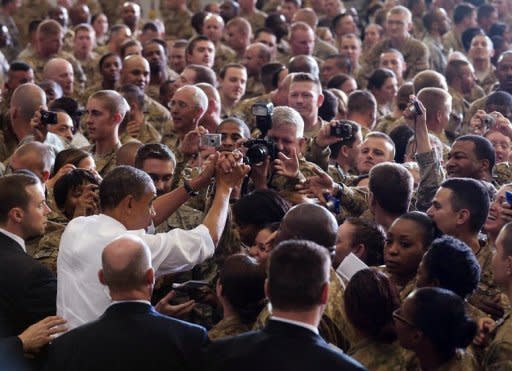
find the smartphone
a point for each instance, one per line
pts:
(48, 117)
(211, 140)
(508, 197)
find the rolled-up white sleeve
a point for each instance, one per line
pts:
(179, 250)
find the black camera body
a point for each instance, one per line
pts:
(415, 108)
(262, 111)
(342, 130)
(48, 117)
(258, 150)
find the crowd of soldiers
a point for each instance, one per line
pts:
(218, 133)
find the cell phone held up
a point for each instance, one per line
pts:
(211, 140)
(415, 108)
(48, 117)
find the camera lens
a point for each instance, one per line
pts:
(256, 154)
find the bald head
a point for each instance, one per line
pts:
(60, 71)
(135, 71)
(25, 101)
(126, 266)
(309, 222)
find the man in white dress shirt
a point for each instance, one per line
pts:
(127, 198)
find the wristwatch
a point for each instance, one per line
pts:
(190, 191)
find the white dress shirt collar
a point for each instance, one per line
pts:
(15, 237)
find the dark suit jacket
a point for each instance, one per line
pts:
(28, 290)
(278, 347)
(129, 336)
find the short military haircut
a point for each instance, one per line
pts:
(429, 79)
(307, 77)
(372, 236)
(246, 132)
(123, 181)
(462, 11)
(242, 25)
(483, 148)
(343, 62)
(112, 101)
(361, 101)
(160, 42)
(391, 185)
(303, 63)
(287, 116)
(84, 27)
(434, 100)
(399, 9)
(472, 195)
(226, 67)
(485, 11)
(128, 44)
(453, 264)
(19, 66)
(203, 74)
(14, 193)
(297, 273)
(49, 27)
(453, 69)
(192, 43)
(156, 151)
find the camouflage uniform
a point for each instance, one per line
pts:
(315, 153)
(111, 9)
(323, 49)
(333, 327)
(223, 55)
(27, 53)
(172, 141)
(157, 115)
(378, 356)
(339, 176)
(90, 68)
(38, 64)
(431, 177)
(104, 163)
(414, 51)
(29, 11)
(353, 201)
(256, 19)
(452, 42)
(487, 288)
(254, 88)
(388, 122)
(228, 327)
(489, 80)
(243, 109)
(460, 105)
(286, 186)
(178, 24)
(147, 134)
(48, 247)
(8, 143)
(502, 173)
(498, 355)
(153, 90)
(461, 361)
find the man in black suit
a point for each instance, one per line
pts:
(130, 335)
(28, 289)
(298, 289)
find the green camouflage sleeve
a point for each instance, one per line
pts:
(431, 177)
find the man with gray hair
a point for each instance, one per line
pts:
(398, 24)
(105, 112)
(289, 167)
(130, 326)
(188, 105)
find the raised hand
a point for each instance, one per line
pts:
(287, 166)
